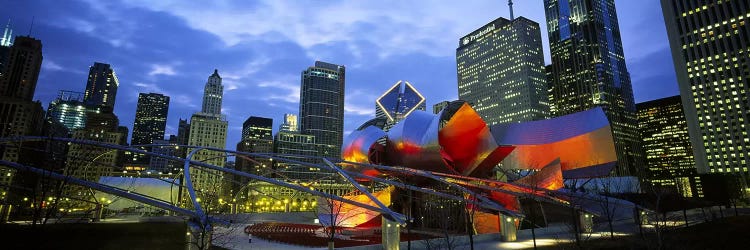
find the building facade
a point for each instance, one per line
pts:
(22, 70)
(209, 129)
(257, 137)
(150, 121)
(213, 93)
(19, 114)
(588, 67)
(101, 87)
(159, 164)
(290, 123)
(91, 162)
(68, 109)
(398, 102)
(501, 71)
(183, 136)
(666, 143)
(710, 43)
(297, 146)
(437, 107)
(322, 106)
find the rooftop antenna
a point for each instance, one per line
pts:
(7, 38)
(510, 5)
(32, 26)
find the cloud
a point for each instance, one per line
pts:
(77, 24)
(162, 69)
(360, 102)
(149, 87)
(50, 65)
(289, 86)
(394, 27)
(235, 78)
(185, 100)
(353, 109)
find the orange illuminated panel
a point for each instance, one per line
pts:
(581, 151)
(347, 215)
(354, 153)
(485, 223)
(549, 178)
(468, 141)
(508, 201)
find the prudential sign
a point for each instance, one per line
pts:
(487, 29)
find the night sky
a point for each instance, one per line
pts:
(260, 48)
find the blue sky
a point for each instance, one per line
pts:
(260, 48)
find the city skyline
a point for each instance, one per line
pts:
(262, 67)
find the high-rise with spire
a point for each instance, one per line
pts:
(588, 70)
(21, 70)
(500, 70)
(7, 39)
(208, 128)
(212, 94)
(19, 114)
(5, 42)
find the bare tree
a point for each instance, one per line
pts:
(446, 227)
(607, 204)
(338, 215)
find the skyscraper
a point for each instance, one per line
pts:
(68, 109)
(296, 145)
(588, 67)
(150, 121)
(20, 75)
(209, 129)
(321, 107)
(101, 124)
(213, 93)
(101, 87)
(666, 144)
(183, 136)
(398, 102)
(710, 42)
(19, 114)
(550, 75)
(257, 137)
(160, 164)
(257, 128)
(437, 107)
(290, 123)
(501, 71)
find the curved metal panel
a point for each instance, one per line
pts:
(550, 130)
(577, 152)
(414, 143)
(356, 148)
(466, 138)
